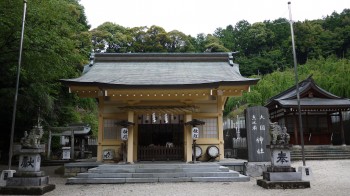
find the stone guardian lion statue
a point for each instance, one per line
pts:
(279, 136)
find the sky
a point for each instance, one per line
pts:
(203, 16)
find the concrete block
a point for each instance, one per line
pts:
(27, 190)
(30, 181)
(180, 179)
(280, 169)
(306, 173)
(283, 184)
(282, 176)
(213, 174)
(221, 179)
(95, 181)
(155, 170)
(141, 180)
(7, 174)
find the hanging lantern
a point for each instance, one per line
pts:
(195, 133)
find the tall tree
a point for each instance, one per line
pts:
(56, 45)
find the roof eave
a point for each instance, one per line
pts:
(159, 86)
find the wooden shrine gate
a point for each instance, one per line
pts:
(160, 142)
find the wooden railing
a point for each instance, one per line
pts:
(160, 153)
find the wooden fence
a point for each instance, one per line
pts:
(160, 153)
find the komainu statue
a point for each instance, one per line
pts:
(32, 140)
(279, 136)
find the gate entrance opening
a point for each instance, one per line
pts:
(160, 142)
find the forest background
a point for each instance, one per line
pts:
(58, 43)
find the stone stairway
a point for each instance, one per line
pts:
(321, 152)
(150, 173)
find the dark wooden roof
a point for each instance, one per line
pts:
(162, 69)
(311, 97)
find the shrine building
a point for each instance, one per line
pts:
(157, 94)
(321, 113)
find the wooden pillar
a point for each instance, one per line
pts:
(306, 128)
(130, 145)
(329, 126)
(342, 128)
(135, 140)
(285, 119)
(295, 126)
(220, 127)
(82, 148)
(188, 139)
(100, 129)
(72, 144)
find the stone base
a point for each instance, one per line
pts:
(283, 184)
(27, 190)
(27, 181)
(29, 174)
(282, 176)
(255, 169)
(281, 169)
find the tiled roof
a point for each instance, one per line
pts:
(162, 70)
(320, 98)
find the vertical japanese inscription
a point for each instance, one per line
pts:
(257, 123)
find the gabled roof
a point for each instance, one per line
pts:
(162, 70)
(311, 96)
(77, 128)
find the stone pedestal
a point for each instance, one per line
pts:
(255, 169)
(281, 175)
(28, 180)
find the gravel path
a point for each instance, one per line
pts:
(331, 177)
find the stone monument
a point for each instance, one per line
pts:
(257, 125)
(280, 175)
(29, 179)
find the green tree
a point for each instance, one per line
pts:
(179, 42)
(56, 45)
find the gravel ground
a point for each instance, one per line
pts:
(331, 177)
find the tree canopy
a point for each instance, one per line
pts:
(58, 42)
(56, 45)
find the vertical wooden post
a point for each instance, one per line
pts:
(130, 144)
(307, 128)
(329, 126)
(135, 140)
(220, 130)
(295, 125)
(342, 128)
(72, 144)
(188, 139)
(83, 148)
(100, 129)
(194, 151)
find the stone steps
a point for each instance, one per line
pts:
(322, 153)
(151, 173)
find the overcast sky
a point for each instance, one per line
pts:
(203, 16)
